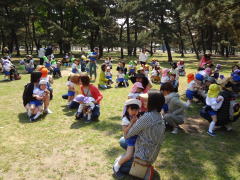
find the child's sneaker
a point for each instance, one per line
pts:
(211, 133)
(175, 131)
(48, 111)
(228, 127)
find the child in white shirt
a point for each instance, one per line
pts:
(137, 89)
(214, 102)
(87, 104)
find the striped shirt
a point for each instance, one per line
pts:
(150, 129)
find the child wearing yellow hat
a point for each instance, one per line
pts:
(214, 102)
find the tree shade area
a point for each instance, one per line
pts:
(171, 25)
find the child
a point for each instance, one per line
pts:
(108, 73)
(75, 66)
(130, 116)
(165, 76)
(174, 81)
(85, 108)
(156, 74)
(121, 79)
(214, 102)
(146, 70)
(103, 81)
(121, 65)
(132, 68)
(49, 80)
(7, 65)
(108, 62)
(71, 91)
(181, 68)
(174, 70)
(216, 71)
(137, 89)
(36, 105)
(56, 68)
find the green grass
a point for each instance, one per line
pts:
(59, 147)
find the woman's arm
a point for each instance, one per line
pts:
(142, 123)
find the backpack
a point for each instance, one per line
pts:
(27, 93)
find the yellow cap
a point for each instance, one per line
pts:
(214, 90)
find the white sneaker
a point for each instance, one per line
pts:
(175, 131)
(48, 111)
(228, 127)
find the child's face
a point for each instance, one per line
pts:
(133, 112)
(43, 86)
(172, 78)
(138, 79)
(139, 90)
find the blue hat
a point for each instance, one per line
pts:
(236, 77)
(199, 77)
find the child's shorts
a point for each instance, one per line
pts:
(190, 94)
(212, 113)
(131, 141)
(131, 70)
(7, 73)
(120, 79)
(36, 103)
(74, 71)
(56, 69)
(47, 65)
(109, 77)
(71, 93)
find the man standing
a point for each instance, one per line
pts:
(41, 54)
(93, 62)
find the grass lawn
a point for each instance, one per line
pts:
(59, 147)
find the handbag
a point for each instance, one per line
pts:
(139, 168)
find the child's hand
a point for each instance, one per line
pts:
(134, 119)
(219, 99)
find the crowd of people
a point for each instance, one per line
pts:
(146, 111)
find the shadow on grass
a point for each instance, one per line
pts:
(68, 112)
(23, 118)
(118, 118)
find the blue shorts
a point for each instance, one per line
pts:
(131, 141)
(71, 93)
(7, 73)
(109, 77)
(56, 69)
(190, 94)
(74, 71)
(131, 70)
(120, 79)
(212, 113)
(36, 103)
(47, 65)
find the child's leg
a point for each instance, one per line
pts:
(89, 115)
(212, 124)
(39, 112)
(80, 108)
(125, 158)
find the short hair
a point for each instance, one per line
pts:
(156, 101)
(167, 87)
(74, 78)
(103, 67)
(85, 80)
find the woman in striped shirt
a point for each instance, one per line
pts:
(150, 130)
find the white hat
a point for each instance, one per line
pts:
(43, 82)
(129, 102)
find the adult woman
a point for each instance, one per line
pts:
(150, 130)
(90, 90)
(205, 60)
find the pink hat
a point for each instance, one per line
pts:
(208, 71)
(165, 72)
(135, 86)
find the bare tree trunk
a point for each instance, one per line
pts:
(202, 41)
(120, 39)
(192, 39)
(128, 37)
(135, 39)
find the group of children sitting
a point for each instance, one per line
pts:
(204, 86)
(8, 69)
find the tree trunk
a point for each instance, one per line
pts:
(37, 44)
(181, 44)
(193, 43)
(120, 39)
(151, 48)
(168, 50)
(202, 41)
(135, 39)
(3, 40)
(128, 37)
(16, 43)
